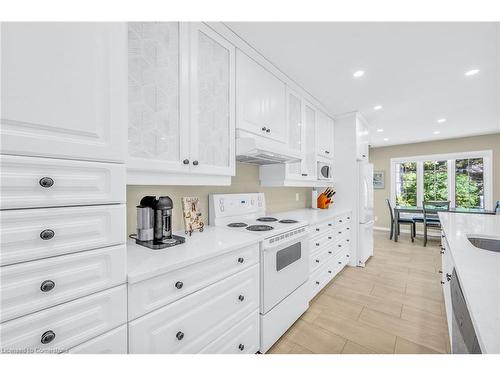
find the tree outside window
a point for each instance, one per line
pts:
(406, 184)
(469, 183)
(436, 180)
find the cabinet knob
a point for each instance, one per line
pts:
(348, 217)
(241, 347)
(179, 284)
(317, 282)
(329, 252)
(48, 337)
(339, 245)
(329, 224)
(448, 277)
(340, 262)
(304, 174)
(195, 162)
(268, 130)
(442, 282)
(264, 128)
(348, 228)
(347, 240)
(317, 229)
(241, 260)
(340, 221)
(46, 182)
(441, 252)
(47, 234)
(241, 297)
(347, 255)
(329, 271)
(179, 335)
(317, 243)
(340, 232)
(47, 286)
(317, 260)
(364, 156)
(185, 161)
(329, 238)
(327, 152)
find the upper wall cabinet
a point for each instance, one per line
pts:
(181, 104)
(64, 90)
(261, 105)
(362, 138)
(325, 130)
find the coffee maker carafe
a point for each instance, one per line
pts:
(154, 223)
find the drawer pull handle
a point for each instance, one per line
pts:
(48, 337)
(339, 245)
(329, 271)
(241, 297)
(329, 224)
(241, 347)
(441, 252)
(317, 282)
(185, 161)
(347, 255)
(317, 229)
(263, 128)
(348, 228)
(442, 282)
(329, 238)
(317, 243)
(179, 335)
(47, 286)
(348, 217)
(317, 260)
(340, 221)
(46, 182)
(47, 234)
(448, 277)
(195, 162)
(347, 240)
(440, 271)
(340, 232)
(329, 252)
(179, 284)
(340, 262)
(241, 260)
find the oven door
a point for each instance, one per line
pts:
(284, 268)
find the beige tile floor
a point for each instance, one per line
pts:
(393, 305)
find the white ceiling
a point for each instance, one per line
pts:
(414, 70)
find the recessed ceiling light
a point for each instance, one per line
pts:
(441, 120)
(386, 139)
(358, 73)
(436, 132)
(377, 107)
(380, 130)
(471, 72)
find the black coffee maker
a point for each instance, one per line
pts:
(154, 223)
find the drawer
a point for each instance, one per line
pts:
(341, 245)
(317, 281)
(320, 242)
(33, 286)
(151, 294)
(243, 338)
(42, 233)
(65, 326)
(342, 219)
(28, 182)
(319, 258)
(320, 229)
(343, 231)
(112, 342)
(191, 323)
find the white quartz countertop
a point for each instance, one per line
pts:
(478, 272)
(313, 216)
(144, 263)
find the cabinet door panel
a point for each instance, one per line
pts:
(156, 136)
(309, 161)
(295, 111)
(212, 102)
(324, 139)
(64, 90)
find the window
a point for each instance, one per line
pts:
(436, 180)
(406, 184)
(469, 183)
(465, 179)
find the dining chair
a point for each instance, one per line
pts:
(497, 208)
(402, 220)
(431, 217)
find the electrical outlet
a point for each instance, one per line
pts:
(297, 197)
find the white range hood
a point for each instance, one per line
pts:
(255, 150)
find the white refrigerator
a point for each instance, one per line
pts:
(365, 213)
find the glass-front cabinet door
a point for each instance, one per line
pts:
(309, 131)
(212, 102)
(156, 135)
(295, 119)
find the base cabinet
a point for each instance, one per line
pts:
(112, 342)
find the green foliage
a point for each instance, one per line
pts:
(467, 192)
(407, 196)
(435, 181)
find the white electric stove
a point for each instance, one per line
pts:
(284, 258)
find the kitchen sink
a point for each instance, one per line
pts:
(485, 243)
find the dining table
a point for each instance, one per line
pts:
(420, 210)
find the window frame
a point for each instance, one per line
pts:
(486, 155)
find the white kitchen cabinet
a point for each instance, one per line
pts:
(362, 138)
(309, 131)
(212, 102)
(112, 342)
(261, 104)
(181, 103)
(296, 135)
(324, 139)
(64, 90)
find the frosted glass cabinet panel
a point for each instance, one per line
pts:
(310, 141)
(64, 90)
(212, 102)
(295, 118)
(155, 132)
